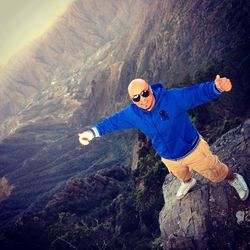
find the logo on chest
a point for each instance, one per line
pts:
(164, 115)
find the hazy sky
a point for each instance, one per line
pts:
(23, 20)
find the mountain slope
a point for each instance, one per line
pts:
(86, 27)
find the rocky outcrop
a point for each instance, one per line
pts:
(211, 216)
(105, 184)
(84, 203)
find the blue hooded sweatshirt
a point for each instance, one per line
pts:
(167, 124)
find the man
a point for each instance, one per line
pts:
(162, 115)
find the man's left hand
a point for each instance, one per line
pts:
(223, 84)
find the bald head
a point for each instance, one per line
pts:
(137, 86)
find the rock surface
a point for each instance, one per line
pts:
(211, 216)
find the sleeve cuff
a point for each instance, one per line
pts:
(216, 90)
(96, 132)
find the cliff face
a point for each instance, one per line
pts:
(211, 216)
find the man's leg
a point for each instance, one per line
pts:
(177, 169)
(208, 165)
(183, 173)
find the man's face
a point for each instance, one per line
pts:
(141, 94)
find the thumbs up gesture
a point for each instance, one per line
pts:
(223, 83)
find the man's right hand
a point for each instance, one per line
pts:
(223, 83)
(86, 137)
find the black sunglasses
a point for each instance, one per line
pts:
(144, 93)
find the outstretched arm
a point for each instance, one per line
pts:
(190, 97)
(118, 121)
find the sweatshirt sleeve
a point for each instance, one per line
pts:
(117, 121)
(190, 97)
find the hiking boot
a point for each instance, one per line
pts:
(184, 188)
(240, 186)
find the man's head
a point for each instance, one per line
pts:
(141, 94)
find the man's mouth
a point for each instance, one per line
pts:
(146, 105)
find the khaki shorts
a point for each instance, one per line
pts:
(200, 160)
